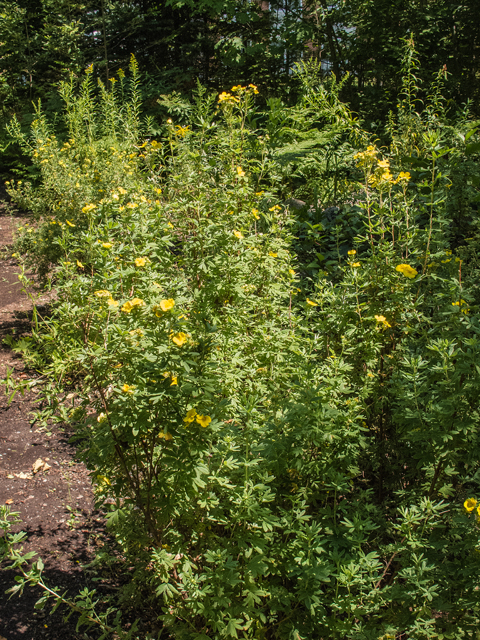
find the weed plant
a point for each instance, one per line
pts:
(283, 405)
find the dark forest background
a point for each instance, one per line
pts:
(224, 42)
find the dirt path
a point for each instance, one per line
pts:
(56, 504)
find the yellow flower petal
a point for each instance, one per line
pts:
(204, 421)
(166, 305)
(179, 338)
(470, 504)
(190, 417)
(383, 320)
(311, 303)
(131, 304)
(406, 270)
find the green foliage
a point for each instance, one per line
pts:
(226, 41)
(280, 412)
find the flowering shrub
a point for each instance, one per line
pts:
(287, 436)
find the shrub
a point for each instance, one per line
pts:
(288, 432)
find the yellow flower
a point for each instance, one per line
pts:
(112, 303)
(470, 504)
(240, 172)
(407, 270)
(383, 164)
(107, 245)
(122, 191)
(181, 132)
(254, 88)
(167, 436)
(131, 304)
(163, 307)
(291, 272)
(238, 234)
(174, 381)
(404, 176)
(190, 417)
(140, 262)
(103, 293)
(131, 205)
(88, 207)
(366, 157)
(255, 214)
(273, 254)
(352, 252)
(103, 479)
(355, 264)
(311, 303)
(226, 97)
(80, 265)
(275, 208)
(166, 305)
(460, 304)
(179, 338)
(386, 176)
(204, 421)
(157, 190)
(70, 224)
(383, 320)
(126, 388)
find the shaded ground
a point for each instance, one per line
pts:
(55, 504)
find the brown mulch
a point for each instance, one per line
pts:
(56, 505)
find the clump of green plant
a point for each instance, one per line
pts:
(290, 448)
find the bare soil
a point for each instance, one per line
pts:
(55, 505)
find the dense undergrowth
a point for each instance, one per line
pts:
(282, 402)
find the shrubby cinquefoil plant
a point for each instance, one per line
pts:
(288, 435)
